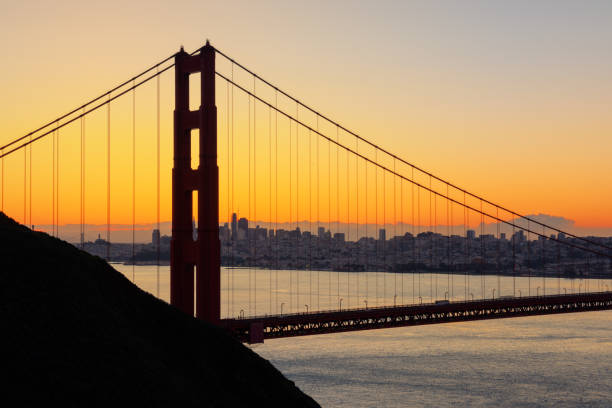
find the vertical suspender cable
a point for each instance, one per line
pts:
(57, 180)
(255, 197)
(348, 232)
(528, 259)
(367, 240)
(53, 184)
(250, 264)
(229, 209)
(270, 205)
(276, 196)
(467, 249)
(418, 246)
(376, 240)
(329, 221)
(319, 237)
(30, 198)
(449, 221)
(108, 178)
(84, 180)
(25, 183)
(233, 208)
(413, 236)
(338, 213)
(482, 253)
(2, 204)
(498, 252)
(133, 183)
(158, 236)
(435, 237)
(298, 237)
(402, 233)
(543, 238)
(82, 184)
(358, 247)
(395, 238)
(290, 215)
(384, 242)
(430, 244)
(513, 260)
(310, 218)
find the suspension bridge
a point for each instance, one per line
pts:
(284, 221)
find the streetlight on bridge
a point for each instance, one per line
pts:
(340, 304)
(282, 304)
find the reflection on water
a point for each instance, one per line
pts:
(540, 361)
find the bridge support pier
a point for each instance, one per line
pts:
(188, 251)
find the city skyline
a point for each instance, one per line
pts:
(518, 106)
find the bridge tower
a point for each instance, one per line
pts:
(203, 252)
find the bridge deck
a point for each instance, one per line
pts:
(257, 329)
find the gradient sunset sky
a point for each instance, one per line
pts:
(512, 100)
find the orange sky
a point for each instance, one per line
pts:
(509, 101)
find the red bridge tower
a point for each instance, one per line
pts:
(204, 251)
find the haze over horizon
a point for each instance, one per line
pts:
(509, 100)
(122, 233)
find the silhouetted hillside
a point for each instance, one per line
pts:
(77, 333)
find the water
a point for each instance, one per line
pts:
(541, 361)
(252, 292)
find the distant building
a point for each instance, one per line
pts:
(243, 228)
(519, 236)
(470, 234)
(321, 232)
(155, 237)
(339, 236)
(382, 234)
(224, 233)
(502, 236)
(234, 227)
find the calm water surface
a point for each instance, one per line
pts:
(541, 361)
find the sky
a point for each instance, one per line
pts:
(507, 99)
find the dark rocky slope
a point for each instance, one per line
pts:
(75, 332)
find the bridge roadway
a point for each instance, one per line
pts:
(256, 329)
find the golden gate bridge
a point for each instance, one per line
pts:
(286, 162)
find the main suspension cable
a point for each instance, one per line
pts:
(386, 169)
(399, 158)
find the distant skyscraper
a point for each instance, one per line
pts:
(234, 227)
(154, 237)
(382, 234)
(321, 232)
(243, 228)
(519, 236)
(470, 234)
